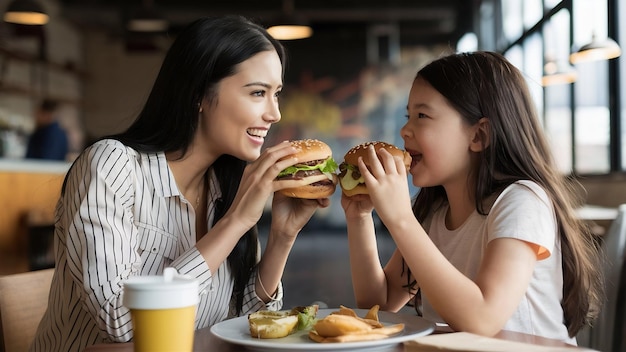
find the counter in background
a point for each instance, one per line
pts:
(33, 166)
(29, 190)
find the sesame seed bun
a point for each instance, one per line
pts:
(315, 169)
(350, 178)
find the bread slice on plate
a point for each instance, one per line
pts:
(272, 325)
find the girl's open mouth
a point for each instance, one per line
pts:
(415, 159)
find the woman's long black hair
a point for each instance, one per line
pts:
(203, 53)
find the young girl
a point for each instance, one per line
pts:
(184, 187)
(492, 241)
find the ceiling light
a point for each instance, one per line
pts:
(28, 12)
(558, 73)
(596, 50)
(289, 26)
(147, 20)
(290, 31)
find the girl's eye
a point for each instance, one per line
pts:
(259, 93)
(418, 115)
(277, 94)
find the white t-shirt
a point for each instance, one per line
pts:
(522, 211)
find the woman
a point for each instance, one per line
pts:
(175, 190)
(491, 240)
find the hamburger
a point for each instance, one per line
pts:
(316, 167)
(350, 178)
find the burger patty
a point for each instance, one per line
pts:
(299, 175)
(311, 163)
(343, 169)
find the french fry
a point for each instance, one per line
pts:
(343, 310)
(385, 330)
(371, 317)
(313, 335)
(346, 338)
(373, 313)
(346, 326)
(338, 324)
(373, 323)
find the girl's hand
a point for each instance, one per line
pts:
(387, 184)
(357, 206)
(289, 215)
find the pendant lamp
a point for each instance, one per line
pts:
(596, 50)
(289, 26)
(558, 73)
(26, 12)
(290, 30)
(147, 20)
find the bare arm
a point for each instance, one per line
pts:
(371, 283)
(288, 217)
(501, 282)
(502, 279)
(368, 277)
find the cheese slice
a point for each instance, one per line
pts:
(348, 182)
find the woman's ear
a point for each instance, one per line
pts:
(482, 136)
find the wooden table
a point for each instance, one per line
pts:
(596, 213)
(205, 341)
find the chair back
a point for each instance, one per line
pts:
(603, 334)
(23, 301)
(619, 338)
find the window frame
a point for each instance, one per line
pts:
(616, 164)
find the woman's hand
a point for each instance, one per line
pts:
(387, 184)
(258, 183)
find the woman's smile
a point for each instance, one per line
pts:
(257, 134)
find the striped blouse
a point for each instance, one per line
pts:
(123, 215)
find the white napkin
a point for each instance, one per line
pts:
(466, 342)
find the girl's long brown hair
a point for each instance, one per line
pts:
(485, 84)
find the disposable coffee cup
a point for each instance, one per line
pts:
(163, 311)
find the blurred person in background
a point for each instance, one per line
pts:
(49, 140)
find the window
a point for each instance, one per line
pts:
(558, 110)
(577, 117)
(591, 117)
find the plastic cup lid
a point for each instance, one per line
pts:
(170, 290)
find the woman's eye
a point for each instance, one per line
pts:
(259, 93)
(277, 94)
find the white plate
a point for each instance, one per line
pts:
(237, 331)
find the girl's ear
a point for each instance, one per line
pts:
(481, 138)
